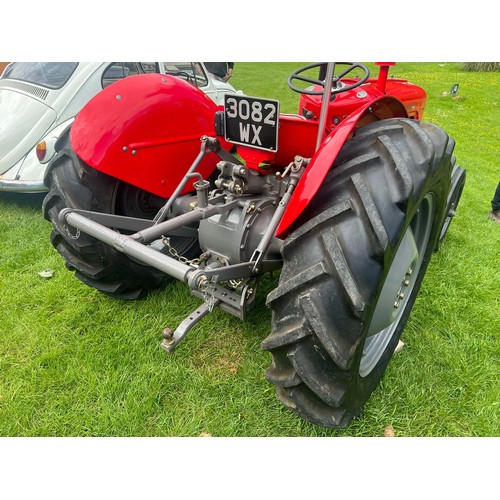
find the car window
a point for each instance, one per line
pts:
(149, 67)
(193, 72)
(119, 70)
(52, 75)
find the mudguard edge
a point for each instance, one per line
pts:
(380, 109)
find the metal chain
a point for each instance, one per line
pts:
(173, 252)
(72, 236)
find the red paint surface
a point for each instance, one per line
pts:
(160, 117)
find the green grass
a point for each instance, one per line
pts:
(74, 362)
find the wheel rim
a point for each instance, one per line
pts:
(134, 202)
(131, 201)
(398, 286)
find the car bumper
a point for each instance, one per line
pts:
(21, 186)
(24, 177)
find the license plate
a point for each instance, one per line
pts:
(251, 121)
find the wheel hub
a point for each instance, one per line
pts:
(398, 286)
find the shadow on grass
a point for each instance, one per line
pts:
(28, 200)
(23, 200)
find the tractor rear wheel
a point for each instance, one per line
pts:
(353, 268)
(73, 184)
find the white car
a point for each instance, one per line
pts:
(38, 100)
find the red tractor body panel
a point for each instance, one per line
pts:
(297, 136)
(345, 103)
(145, 130)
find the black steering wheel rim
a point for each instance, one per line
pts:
(336, 88)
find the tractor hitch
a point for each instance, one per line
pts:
(224, 277)
(172, 338)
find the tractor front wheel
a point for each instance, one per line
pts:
(353, 268)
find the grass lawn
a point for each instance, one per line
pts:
(74, 362)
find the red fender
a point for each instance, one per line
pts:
(145, 130)
(323, 159)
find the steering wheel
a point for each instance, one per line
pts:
(337, 86)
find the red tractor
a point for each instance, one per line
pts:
(349, 198)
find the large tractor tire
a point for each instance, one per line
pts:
(73, 184)
(353, 268)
